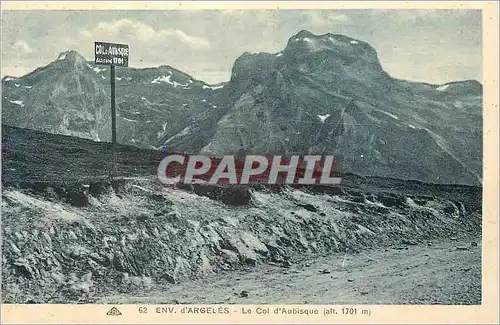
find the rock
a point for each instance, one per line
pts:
(15, 248)
(87, 277)
(325, 271)
(350, 280)
(308, 207)
(47, 237)
(408, 242)
(72, 235)
(58, 277)
(244, 294)
(147, 281)
(462, 248)
(169, 278)
(364, 292)
(473, 244)
(251, 261)
(142, 217)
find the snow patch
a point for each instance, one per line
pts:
(129, 120)
(307, 39)
(17, 102)
(96, 69)
(168, 80)
(17, 85)
(9, 79)
(388, 114)
(323, 117)
(29, 87)
(185, 131)
(279, 54)
(442, 88)
(354, 42)
(213, 87)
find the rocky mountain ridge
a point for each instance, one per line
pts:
(324, 94)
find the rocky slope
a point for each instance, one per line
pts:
(70, 235)
(321, 94)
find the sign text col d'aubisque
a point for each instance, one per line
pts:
(111, 54)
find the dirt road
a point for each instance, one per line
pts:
(434, 273)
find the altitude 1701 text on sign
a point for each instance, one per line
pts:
(111, 54)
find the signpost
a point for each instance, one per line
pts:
(112, 54)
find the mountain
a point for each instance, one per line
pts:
(71, 96)
(323, 94)
(329, 94)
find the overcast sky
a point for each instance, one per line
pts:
(435, 46)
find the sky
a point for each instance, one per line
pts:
(434, 46)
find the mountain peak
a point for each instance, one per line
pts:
(304, 33)
(71, 55)
(340, 50)
(325, 37)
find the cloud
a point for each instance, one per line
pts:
(324, 19)
(22, 47)
(134, 31)
(193, 42)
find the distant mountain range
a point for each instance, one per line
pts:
(324, 94)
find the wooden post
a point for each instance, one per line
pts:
(113, 117)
